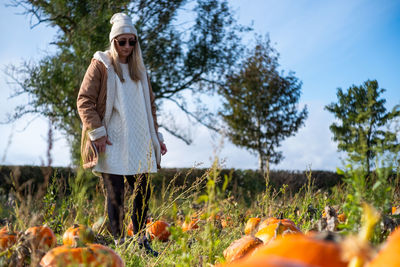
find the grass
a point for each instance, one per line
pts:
(60, 207)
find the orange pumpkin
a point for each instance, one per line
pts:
(129, 232)
(273, 220)
(4, 229)
(41, 237)
(130, 229)
(159, 230)
(239, 248)
(192, 224)
(78, 233)
(267, 221)
(7, 229)
(271, 261)
(251, 225)
(342, 218)
(394, 209)
(7, 240)
(304, 249)
(389, 254)
(91, 255)
(273, 230)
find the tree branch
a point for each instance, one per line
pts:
(199, 120)
(174, 133)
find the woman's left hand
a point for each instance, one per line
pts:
(163, 148)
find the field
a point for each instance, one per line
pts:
(219, 214)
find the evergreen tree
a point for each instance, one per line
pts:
(362, 128)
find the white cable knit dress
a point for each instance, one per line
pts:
(131, 151)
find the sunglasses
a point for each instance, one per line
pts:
(122, 42)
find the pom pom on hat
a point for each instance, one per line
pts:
(121, 24)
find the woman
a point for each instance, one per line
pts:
(119, 135)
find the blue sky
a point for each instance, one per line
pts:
(328, 44)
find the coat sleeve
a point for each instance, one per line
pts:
(88, 96)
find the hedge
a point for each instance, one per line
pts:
(243, 183)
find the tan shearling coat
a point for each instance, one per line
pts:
(91, 105)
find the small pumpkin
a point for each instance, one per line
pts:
(275, 229)
(158, 230)
(129, 231)
(267, 221)
(251, 225)
(394, 210)
(192, 224)
(78, 233)
(273, 220)
(7, 239)
(271, 261)
(342, 218)
(239, 248)
(304, 249)
(4, 229)
(334, 213)
(91, 255)
(41, 237)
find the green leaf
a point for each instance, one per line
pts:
(376, 185)
(202, 198)
(339, 171)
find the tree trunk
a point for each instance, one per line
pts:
(261, 161)
(369, 150)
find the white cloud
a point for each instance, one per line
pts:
(29, 146)
(312, 146)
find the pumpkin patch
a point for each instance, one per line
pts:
(217, 232)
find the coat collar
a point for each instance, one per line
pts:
(103, 57)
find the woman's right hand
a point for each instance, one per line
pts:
(101, 144)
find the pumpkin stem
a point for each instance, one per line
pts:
(278, 230)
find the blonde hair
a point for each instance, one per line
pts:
(135, 62)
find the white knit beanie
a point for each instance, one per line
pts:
(121, 24)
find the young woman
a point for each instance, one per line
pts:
(120, 132)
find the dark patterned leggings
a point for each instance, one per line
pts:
(115, 201)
